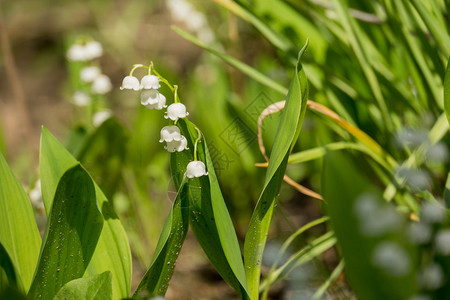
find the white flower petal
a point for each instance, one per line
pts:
(80, 98)
(88, 74)
(178, 146)
(130, 83)
(170, 133)
(175, 111)
(150, 82)
(93, 49)
(101, 85)
(195, 169)
(152, 99)
(99, 117)
(76, 53)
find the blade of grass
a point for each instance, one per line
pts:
(287, 134)
(244, 68)
(333, 276)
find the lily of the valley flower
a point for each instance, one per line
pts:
(170, 133)
(130, 83)
(175, 111)
(101, 85)
(195, 168)
(88, 74)
(150, 82)
(152, 99)
(177, 146)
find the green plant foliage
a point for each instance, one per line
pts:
(156, 279)
(7, 273)
(104, 153)
(112, 252)
(447, 91)
(19, 235)
(97, 287)
(73, 230)
(285, 140)
(209, 217)
(348, 192)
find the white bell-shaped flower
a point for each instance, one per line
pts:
(93, 49)
(175, 111)
(152, 99)
(170, 133)
(80, 98)
(150, 82)
(130, 83)
(195, 169)
(88, 74)
(178, 146)
(99, 117)
(101, 85)
(76, 52)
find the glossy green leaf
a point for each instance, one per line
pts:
(7, 274)
(72, 233)
(97, 287)
(19, 234)
(447, 91)
(209, 217)
(287, 134)
(112, 252)
(351, 197)
(156, 279)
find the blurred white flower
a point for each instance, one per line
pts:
(175, 111)
(88, 74)
(76, 52)
(417, 179)
(130, 83)
(36, 196)
(432, 212)
(374, 217)
(93, 49)
(206, 35)
(419, 233)
(196, 21)
(180, 9)
(391, 258)
(80, 98)
(150, 82)
(442, 242)
(195, 169)
(170, 133)
(99, 117)
(152, 99)
(101, 85)
(431, 277)
(438, 153)
(177, 146)
(90, 50)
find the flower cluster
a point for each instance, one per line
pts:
(151, 98)
(91, 83)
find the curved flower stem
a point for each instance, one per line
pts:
(196, 142)
(175, 93)
(136, 67)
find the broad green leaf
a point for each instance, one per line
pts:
(19, 234)
(97, 287)
(287, 134)
(7, 273)
(447, 91)
(9, 292)
(209, 217)
(112, 252)
(357, 213)
(156, 279)
(72, 233)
